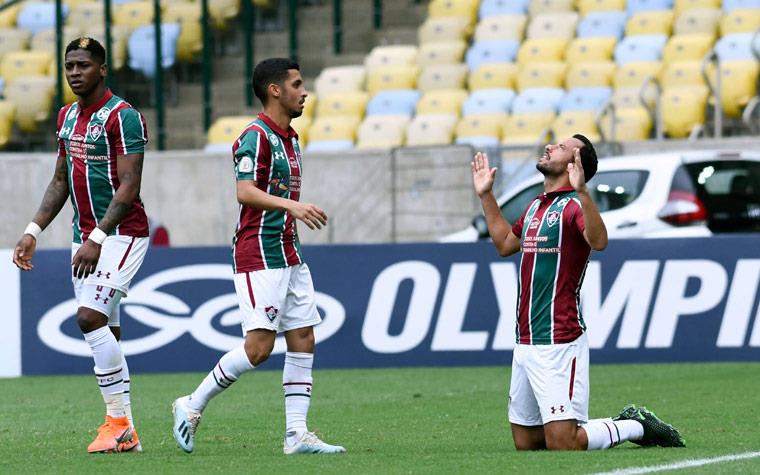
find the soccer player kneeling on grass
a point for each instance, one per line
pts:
(548, 394)
(273, 284)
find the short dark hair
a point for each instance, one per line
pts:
(271, 71)
(588, 157)
(95, 49)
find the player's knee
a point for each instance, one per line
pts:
(258, 353)
(561, 443)
(527, 445)
(90, 320)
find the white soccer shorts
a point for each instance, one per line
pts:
(120, 259)
(549, 383)
(277, 299)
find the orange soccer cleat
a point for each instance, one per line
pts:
(133, 445)
(114, 432)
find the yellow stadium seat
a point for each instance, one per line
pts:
(13, 39)
(630, 98)
(342, 103)
(738, 85)
(436, 29)
(541, 49)
(588, 6)
(553, 25)
(442, 101)
(190, 41)
(44, 40)
(449, 52)
(680, 6)
(301, 125)
(740, 20)
(683, 108)
(119, 37)
(650, 23)
(86, 14)
(340, 127)
(222, 11)
(68, 94)
(340, 78)
(225, 131)
(310, 104)
(76, 3)
(537, 7)
(703, 20)
(382, 131)
(442, 76)
(527, 128)
(501, 27)
(399, 55)
(687, 48)
(9, 15)
(431, 129)
(683, 73)
(570, 123)
(596, 73)
(33, 96)
(454, 8)
(630, 125)
(7, 112)
(481, 125)
(541, 74)
(590, 49)
(24, 63)
(493, 75)
(133, 14)
(634, 74)
(391, 77)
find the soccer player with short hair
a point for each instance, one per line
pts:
(549, 390)
(272, 282)
(101, 141)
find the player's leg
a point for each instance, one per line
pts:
(650, 429)
(523, 412)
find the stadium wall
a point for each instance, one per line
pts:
(665, 300)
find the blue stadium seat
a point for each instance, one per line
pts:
(585, 98)
(396, 102)
(142, 52)
(488, 100)
(635, 6)
(38, 16)
(538, 99)
(640, 48)
(736, 46)
(491, 51)
(502, 7)
(729, 5)
(603, 24)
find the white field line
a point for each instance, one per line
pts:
(682, 464)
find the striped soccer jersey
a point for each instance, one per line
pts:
(91, 139)
(554, 259)
(272, 158)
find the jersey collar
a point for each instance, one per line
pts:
(276, 128)
(88, 111)
(559, 191)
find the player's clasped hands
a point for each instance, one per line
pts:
(312, 215)
(482, 175)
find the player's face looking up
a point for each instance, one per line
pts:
(291, 93)
(83, 73)
(556, 157)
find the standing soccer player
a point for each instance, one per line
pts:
(549, 391)
(101, 140)
(272, 282)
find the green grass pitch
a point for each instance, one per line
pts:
(440, 420)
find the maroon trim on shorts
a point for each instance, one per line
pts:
(572, 379)
(126, 253)
(250, 289)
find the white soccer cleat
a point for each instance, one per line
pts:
(309, 443)
(185, 423)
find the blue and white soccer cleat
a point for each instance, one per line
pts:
(185, 423)
(309, 443)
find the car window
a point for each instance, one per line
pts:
(516, 206)
(614, 189)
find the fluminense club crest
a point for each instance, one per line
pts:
(95, 131)
(271, 313)
(552, 218)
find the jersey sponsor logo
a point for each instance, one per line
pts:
(77, 138)
(534, 223)
(103, 113)
(245, 165)
(274, 140)
(95, 131)
(64, 131)
(561, 203)
(552, 218)
(271, 313)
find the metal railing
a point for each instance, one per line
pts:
(715, 90)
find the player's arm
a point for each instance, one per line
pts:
(595, 232)
(249, 194)
(499, 228)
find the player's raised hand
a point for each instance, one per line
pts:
(22, 254)
(575, 170)
(312, 215)
(86, 259)
(482, 175)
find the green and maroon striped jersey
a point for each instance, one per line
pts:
(554, 259)
(91, 139)
(271, 157)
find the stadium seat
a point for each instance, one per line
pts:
(351, 103)
(537, 7)
(133, 14)
(736, 46)
(740, 20)
(493, 75)
(501, 27)
(190, 41)
(340, 78)
(332, 133)
(636, 6)
(731, 5)
(602, 24)
(488, 101)
(594, 73)
(546, 74)
(491, 51)
(541, 49)
(588, 6)
(310, 105)
(553, 25)
(454, 8)
(569, 123)
(222, 12)
(36, 16)
(658, 22)
(634, 74)
(44, 40)
(538, 99)
(224, 131)
(33, 96)
(480, 130)
(490, 8)
(392, 77)
(399, 55)
(119, 40)
(13, 39)
(640, 48)
(142, 52)
(301, 125)
(8, 16)
(382, 131)
(683, 108)
(437, 29)
(398, 102)
(680, 6)
(590, 49)
(683, 73)
(687, 48)
(442, 101)
(585, 99)
(7, 113)
(699, 21)
(738, 85)
(442, 76)
(448, 52)
(630, 125)
(431, 129)
(84, 15)
(631, 97)
(527, 128)
(24, 63)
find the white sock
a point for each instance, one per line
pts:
(126, 395)
(606, 433)
(227, 371)
(107, 355)
(296, 383)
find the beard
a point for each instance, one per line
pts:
(296, 113)
(542, 168)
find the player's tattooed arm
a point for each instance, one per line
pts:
(129, 169)
(55, 195)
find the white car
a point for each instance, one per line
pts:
(681, 194)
